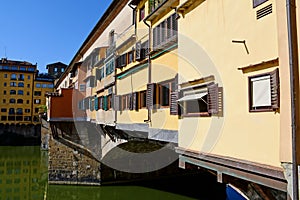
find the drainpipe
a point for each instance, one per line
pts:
(294, 82)
(149, 64)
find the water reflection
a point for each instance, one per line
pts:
(23, 173)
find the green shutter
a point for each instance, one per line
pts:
(96, 103)
(105, 103)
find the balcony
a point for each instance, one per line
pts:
(159, 8)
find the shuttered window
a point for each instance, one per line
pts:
(142, 99)
(117, 103)
(138, 48)
(174, 104)
(135, 101)
(96, 103)
(264, 92)
(105, 103)
(151, 95)
(203, 102)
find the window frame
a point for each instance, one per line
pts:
(271, 107)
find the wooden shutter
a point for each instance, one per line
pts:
(275, 92)
(213, 99)
(154, 35)
(117, 102)
(138, 50)
(96, 103)
(112, 101)
(130, 99)
(105, 103)
(174, 104)
(135, 101)
(151, 89)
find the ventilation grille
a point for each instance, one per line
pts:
(264, 11)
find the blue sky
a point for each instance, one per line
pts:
(48, 31)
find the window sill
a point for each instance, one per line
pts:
(251, 110)
(204, 114)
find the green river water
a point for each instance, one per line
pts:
(23, 176)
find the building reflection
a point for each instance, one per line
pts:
(23, 173)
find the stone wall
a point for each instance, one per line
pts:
(71, 165)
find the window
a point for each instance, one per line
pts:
(13, 77)
(13, 84)
(27, 101)
(21, 77)
(166, 33)
(3, 110)
(27, 118)
(11, 111)
(20, 84)
(37, 93)
(200, 102)
(50, 85)
(38, 85)
(19, 111)
(143, 98)
(44, 85)
(153, 4)
(5, 75)
(4, 100)
(164, 94)
(82, 87)
(13, 92)
(5, 84)
(3, 118)
(264, 92)
(28, 93)
(22, 68)
(4, 92)
(12, 101)
(142, 13)
(36, 110)
(14, 68)
(27, 110)
(28, 77)
(28, 85)
(110, 66)
(20, 92)
(62, 69)
(37, 101)
(55, 69)
(258, 2)
(20, 101)
(31, 69)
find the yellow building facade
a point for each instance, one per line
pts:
(22, 92)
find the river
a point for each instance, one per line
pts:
(24, 175)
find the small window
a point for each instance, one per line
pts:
(37, 93)
(3, 110)
(20, 101)
(82, 87)
(44, 85)
(27, 110)
(142, 13)
(21, 77)
(20, 92)
(28, 85)
(12, 101)
(36, 110)
(11, 111)
(4, 92)
(258, 2)
(5, 84)
(13, 84)
(27, 101)
(28, 77)
(13, 77)
(20, 84)
(19, 111)
(13, 92)
(37, 101)
(5, 75)
(264, 92)
(50, 86)
(38, 85)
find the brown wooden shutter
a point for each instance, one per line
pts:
(275, 92)
(130, 101)
(150, 101)
(213, 99)
(174, 104)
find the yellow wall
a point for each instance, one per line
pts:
(206, 48)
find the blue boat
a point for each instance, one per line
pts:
(233, 193)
